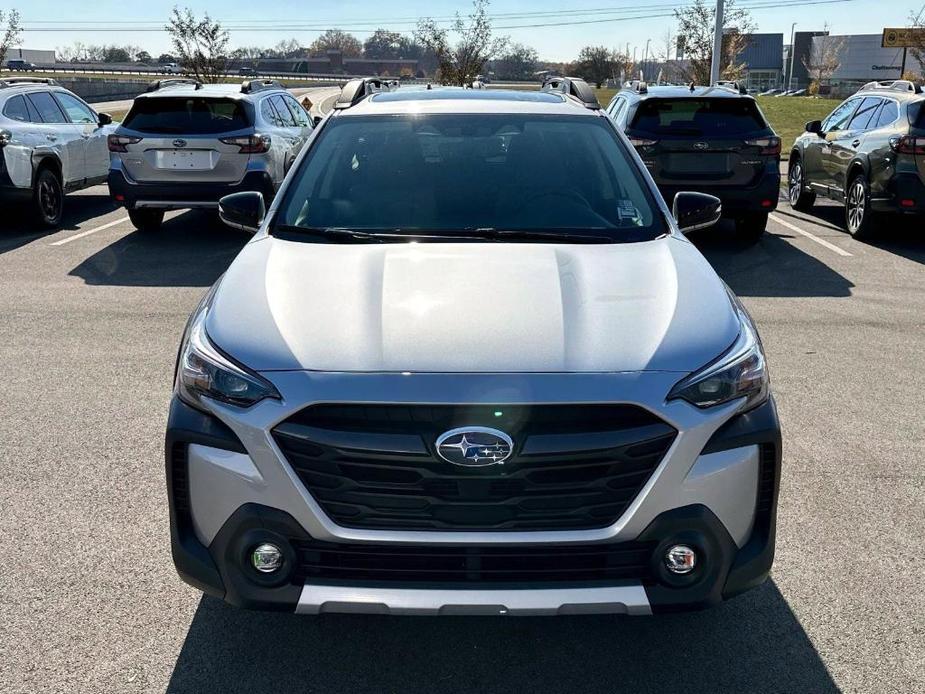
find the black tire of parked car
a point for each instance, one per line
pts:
(146, 220)
(859, 218)
(48, 198)
(750, 226)
(799, 198)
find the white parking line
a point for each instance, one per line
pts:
(88, 232)
(811, 237)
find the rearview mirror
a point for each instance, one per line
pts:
(244, 211)
(104, 119)
(694, 211)
(814, 126)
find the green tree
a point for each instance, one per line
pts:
(383, 45)
(459, 63)
(200, 44)
(517, 62)
(596, 64)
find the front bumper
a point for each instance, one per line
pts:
(762, 197)
(229, 488)
(167, 196)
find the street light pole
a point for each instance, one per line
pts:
(717, 43)
(645, 58)
(792, 54)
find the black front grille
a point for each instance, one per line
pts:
(484, 564)
(573, 467)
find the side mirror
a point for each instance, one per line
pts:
(316, 120)
(814, 126)
(104, 119)
(244, 211)
(694, 211)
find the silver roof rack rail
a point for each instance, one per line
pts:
(732, 84)
(14, 81)
(173, 82)
(895, 85)
(259, 85)
(574, 87)
(356, 90)
(638, 86)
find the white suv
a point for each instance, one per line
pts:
(51, 143)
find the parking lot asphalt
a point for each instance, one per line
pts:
(90, 319)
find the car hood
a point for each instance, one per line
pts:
(472, 307)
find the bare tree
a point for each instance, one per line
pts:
(337, 40)
(459, 64)
(824, 58)
(695, 27)
(623, 66)
(917, 21)
(200, 44)
(11, 32)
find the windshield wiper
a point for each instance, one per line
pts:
(339, 234)
(553, 236)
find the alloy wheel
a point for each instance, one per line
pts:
(49, 199)
(855, 206)
(796, 183)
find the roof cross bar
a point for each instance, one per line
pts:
(895, 85)
(574, 87)
(259, 85)
(173, 82)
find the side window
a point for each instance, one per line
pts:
(618, 106)
(287, 121)
(301, 116)
(77, 111)
(268, 113)
(16, 109)
(840, 116)
(888, 114)
(866, 111)
(47, 107)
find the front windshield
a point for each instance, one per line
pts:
(453, 175)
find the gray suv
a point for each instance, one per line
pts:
(397, 401)
(184, 145)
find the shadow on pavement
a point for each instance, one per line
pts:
(772, 267)
(18, 228)
(191, 250)
(753, 643)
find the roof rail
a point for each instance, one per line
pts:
(638, 86)
(575, 87)
(252, 86)
(895, 85)
(173, 82)
(732, 84)
(13, 81)
(357, 90)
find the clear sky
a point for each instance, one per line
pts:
(54, 23)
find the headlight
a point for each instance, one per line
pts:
(203, 371)
(740, 372)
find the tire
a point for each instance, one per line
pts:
(48, 198)
(799, 198)
(146, 220)
(750, 226)
(859, 218)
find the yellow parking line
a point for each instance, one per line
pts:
(811, 237)
(88, 232)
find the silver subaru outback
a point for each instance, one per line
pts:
(398, 401)
(185, 145)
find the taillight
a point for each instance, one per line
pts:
(118, 143)
(769, 145)
(642, 142)
(249, 144)
(908, 144)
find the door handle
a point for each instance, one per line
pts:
(51, 138)
(856, 143)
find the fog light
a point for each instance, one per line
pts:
(267, 558)
(680, 559)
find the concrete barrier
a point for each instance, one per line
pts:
(93, 90)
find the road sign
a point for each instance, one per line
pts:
(903, 38)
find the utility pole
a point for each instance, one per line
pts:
(717, 43)
(645, 58)
(792, 55)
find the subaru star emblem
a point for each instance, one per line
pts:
(179, 143)
(474, 446)
(701, 145)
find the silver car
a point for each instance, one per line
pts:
(51, 143)
(184, 145)
(396, 401)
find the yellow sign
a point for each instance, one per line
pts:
(903, 38)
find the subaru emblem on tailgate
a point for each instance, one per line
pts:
(701, 145)
(179, 143)
(474, 446)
